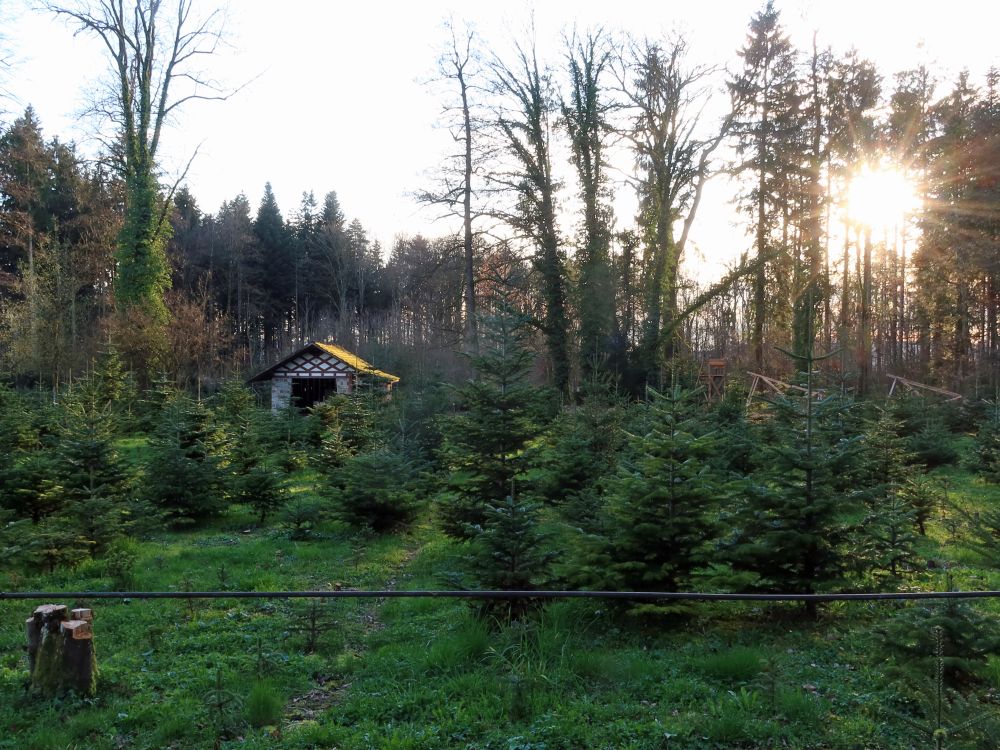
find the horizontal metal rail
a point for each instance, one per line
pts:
(628, 595)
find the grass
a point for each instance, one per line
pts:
(429, 673)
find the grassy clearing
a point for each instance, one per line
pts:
(428, 673)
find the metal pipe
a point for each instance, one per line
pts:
(628, 595)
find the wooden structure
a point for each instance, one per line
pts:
(913, 387)
(317, 370)
(713, 377)
(61, 650)
(773, 385)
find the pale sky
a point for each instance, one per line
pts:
(336, 99)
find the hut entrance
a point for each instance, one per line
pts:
(309, 391)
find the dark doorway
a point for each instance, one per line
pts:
(309, 391)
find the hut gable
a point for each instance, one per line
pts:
(314, 372)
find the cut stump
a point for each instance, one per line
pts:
(61, 651)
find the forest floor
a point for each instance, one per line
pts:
(430, 673)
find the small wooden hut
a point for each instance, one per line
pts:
(317, 370)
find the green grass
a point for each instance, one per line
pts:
(429, 673)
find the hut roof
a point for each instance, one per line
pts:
(348, 358)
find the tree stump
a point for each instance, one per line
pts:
(61, 651)
(79, 660)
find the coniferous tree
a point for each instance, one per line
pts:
(766, 104)
(275, 259)
(579, 453)
(736, 435)
(968, 638)
(182, 477)
(663, 505)
(886, 536)
(11, 538)
(934, 445)
(985, 459)
(791, 530)
(27, 485)
(499, 412)
(511, 551)
(114, 387)
(376, 491)
(345, 427)
(924, 495)
(94, 482)
(252, 476)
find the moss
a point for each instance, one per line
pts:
(48, 676)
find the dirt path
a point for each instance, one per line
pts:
(330, 691)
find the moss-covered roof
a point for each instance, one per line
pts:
(355, 361)
(348, 358)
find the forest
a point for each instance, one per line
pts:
(555, 425)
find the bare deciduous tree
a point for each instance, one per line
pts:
(154, 54)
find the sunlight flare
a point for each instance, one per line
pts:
(881, 197)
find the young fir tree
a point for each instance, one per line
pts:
(154, 400)
(579, 453)
(985, 459)
(114, 387)
(346, 427)
(968, 639)
(924, 495)
(663, 505)
(94, 482)
(26, 471)
(933, 444)
(886, 540)
(250, 476)
(11, 538)
(736, 436)
(792, 530)
(182, 477)
(511, 552)
(499, 413)
(376, 491)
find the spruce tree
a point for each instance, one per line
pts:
(376, 491)
(968, 638)
(251, 476)
(27, 436)
(924, 495)
(511, 551)
(114, 387)
(182, 476)
(11, 538)
(93, 480)
(579, 453)
(791, 531)
(663, 505)
(499, 413)
(985, 459)
(346, 427)
(933, 444)
(886, 538)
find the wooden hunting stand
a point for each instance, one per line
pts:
(912, 386)
(760, 382)
(713, 377)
